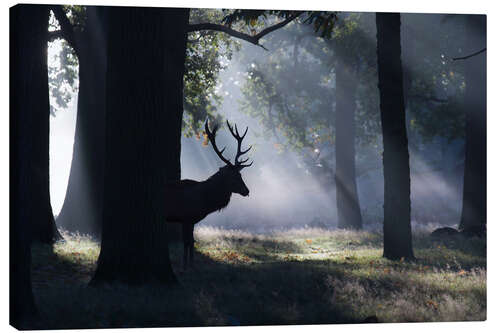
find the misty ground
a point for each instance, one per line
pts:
(299, 276)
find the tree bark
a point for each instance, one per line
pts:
(82, 208)
(30, 213)
(397, 224)
(348, 210)
(144, 108)
(30, 113)
(474, 190)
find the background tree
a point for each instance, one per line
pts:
(294, 90)
(85, 34)
(397, 226)
(474, 194)
(435, 120)
(433, 84)
(352, 57)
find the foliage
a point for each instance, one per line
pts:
(243, 279)
(208, 52)
(63, 66)
(291, 90)
(76, 15)
(350, 44)
(252, 19)
(436, 83)
(63, 74)
(299, 71)
(323, 21)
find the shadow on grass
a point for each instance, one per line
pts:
(251, 285)
(50, 268)
(65, 301)
(267, 293)
(211, 294)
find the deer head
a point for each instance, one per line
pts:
(231, 172)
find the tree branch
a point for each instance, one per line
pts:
(67, 31)
(428, 98)
(470, 55)
(251, 39)
(277, 26)
(53, 35)
(194, 41)
(225, 29)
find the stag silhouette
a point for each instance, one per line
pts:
(190, 201)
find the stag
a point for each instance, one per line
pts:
(190, 201)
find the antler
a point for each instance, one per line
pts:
(239, 138)
(211, 137)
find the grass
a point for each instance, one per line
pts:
(301, 276)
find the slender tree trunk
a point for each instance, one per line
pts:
(348, 210)
(397, 226)
(474, 191)
(146, 54)
(29, 115)
(82, 208)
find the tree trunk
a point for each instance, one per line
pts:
(348, 210)
(146, 54)
(31, 113)
(82, 208)
(30, 213)
(474, 191)
(397, 225)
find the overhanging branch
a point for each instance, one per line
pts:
(53, 35)
(249, 38)
(470, 55)
(428, 98)
(67, 31)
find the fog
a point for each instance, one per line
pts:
(284, 194)
(62, 135)
(277, 181)
(286, 188)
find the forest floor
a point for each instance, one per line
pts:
(303, 276)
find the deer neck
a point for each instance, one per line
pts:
(217, 195)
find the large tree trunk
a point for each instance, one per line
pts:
(146, 54)
(31, 113)
(474, 191)
(29, 116)
(32, 121)
(348, 210)
(82, 208)
(397, 226)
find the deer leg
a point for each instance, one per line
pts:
(191, 245)
(184, 259)
(185, 239)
